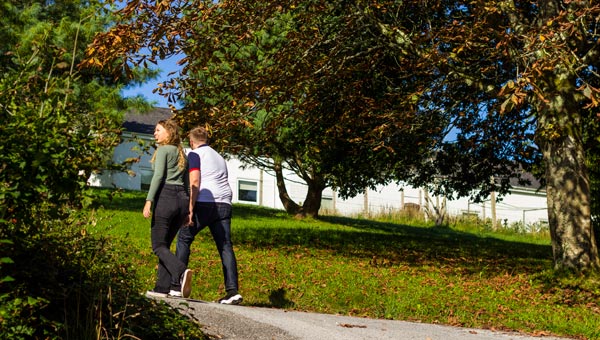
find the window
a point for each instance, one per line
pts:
(146, 174)
(248, 191)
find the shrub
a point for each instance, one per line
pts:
(66, 284)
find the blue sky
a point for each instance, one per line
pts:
(166, 66)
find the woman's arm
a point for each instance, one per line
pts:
(160, 172)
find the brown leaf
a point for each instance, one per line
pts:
(347, 325)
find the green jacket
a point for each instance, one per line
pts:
(166, 170)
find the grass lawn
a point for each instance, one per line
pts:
(457, 275)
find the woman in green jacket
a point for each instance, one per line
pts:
(169, 197)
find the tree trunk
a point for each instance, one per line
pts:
(567, 183)
(568, 194)
(290, 206)
(312, 201)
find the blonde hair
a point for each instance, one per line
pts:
(174, 139)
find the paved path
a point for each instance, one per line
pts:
(254, 323)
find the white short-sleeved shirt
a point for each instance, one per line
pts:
(214, 182)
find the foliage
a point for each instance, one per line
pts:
(305, 86)
(312, 73)
(461, 275)
(72, 285)
(60, 123)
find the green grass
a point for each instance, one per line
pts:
(461, 276)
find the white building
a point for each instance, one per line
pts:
(255, 186)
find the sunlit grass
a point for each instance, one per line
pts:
(455, 275)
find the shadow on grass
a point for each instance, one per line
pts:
(133, 200)
(277, 299)
(246, 211)
(391, 244)
(383, 243)
(121, 200)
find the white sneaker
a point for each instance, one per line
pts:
(152, 293)
(231, 299)
(175, 293)
(186, 283)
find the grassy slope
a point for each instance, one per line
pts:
(378, 269)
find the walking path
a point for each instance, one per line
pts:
(256, 323)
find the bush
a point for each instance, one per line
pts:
(66, 284)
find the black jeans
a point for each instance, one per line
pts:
(170, 213)
(217, 216)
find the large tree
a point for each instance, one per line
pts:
(532, 71)
(310, 86)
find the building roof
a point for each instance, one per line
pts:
(145, 122)
(535, 184)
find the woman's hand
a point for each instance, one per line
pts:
(147, 209)
(190, 220)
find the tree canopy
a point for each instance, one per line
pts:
(355, 94)
(309, 86)
(57, 120)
